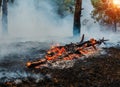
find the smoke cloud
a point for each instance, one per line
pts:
(27, 21)
(31, 21)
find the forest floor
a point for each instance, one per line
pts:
(96, 71)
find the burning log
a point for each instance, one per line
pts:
(36, 63)
(69, 52)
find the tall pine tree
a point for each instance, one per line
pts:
(77, 18)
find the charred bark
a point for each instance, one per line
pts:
(115, 26)
(68, 52)
(77, 18)
(4, 17)
(0, 4)
(36, 63)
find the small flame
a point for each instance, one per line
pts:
(57, 52)
(28, 64)
(67, 52)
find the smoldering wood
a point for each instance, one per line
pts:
(72, 48)
(36, 63)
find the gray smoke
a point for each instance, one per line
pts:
(30, 22)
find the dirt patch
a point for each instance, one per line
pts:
(98, 71)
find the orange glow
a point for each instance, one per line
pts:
(116, 2)
(67, 52)
(28, 64)
(55, 52)
(93, 41)
(60, 51)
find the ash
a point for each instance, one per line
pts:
(64, 64)
(103, 64)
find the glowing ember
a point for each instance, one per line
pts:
(69, 51)
(55, 52)
(28, 63)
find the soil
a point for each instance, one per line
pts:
(96, 71)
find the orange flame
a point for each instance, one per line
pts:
(54, 53)
(60, 52)
(28, 64)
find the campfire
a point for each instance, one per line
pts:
(69, 51)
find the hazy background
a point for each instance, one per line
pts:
(28, 26)
(25, 21)
(28, 23)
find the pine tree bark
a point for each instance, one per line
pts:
(115, 26)
(0, 3)
(4, 17)
(77, 18)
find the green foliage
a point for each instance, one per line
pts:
(11, 1)
(95, 3)
(105, 12)
(64, 7)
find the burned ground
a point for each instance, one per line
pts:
(96, 71)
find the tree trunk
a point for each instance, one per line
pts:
(0, 4)
(4, 17)
(115, 26)
(77, 18)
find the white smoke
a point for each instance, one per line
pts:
(27, 21)
(30, 22)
